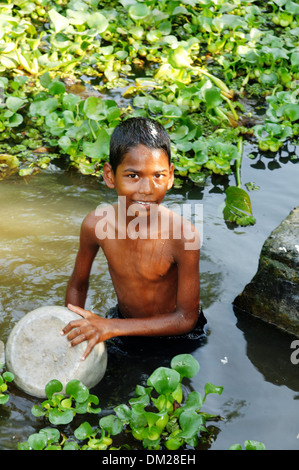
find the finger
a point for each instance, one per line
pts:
(80, 311)
(90, 346)
(70, 326)
(77, 340)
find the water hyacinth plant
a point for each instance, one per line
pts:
(5, 378)
(191, 64)
(157, 417)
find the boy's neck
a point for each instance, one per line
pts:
(137, 222)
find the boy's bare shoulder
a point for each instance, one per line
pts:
(183, 233)
(101, 212)
(98, 221)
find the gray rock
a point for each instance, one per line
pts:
(273, 293)
(36, 352)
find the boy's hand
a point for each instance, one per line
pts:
(91, 328)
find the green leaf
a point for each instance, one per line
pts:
(43, 107)
(52, 434)
(193, 403)
(112, 424)
(78, 390)
(93, 400)
(228, 21)
(56, 88)
(45, 80)
(186, 365)
(295, 59)
(238, 207)
(179, 58)
(3, 399)
(164, 380)
(292, 7)
(98, 109)
(57, 416)
(170, 111)
(98, 21)
(71, 445)
(123, 412)
(12, 162)
(290, 111)
(211, 95)
(8, 376)
(210, 388)
(236, 447)
(254, 445)
(197, 178)
(98, 149)
(37, 411)
(139, 12)
(191, 423)
(70, 101)
(173, 443)
(84, 431)
(13, 103)
(15, 120)
(60, 22)
(154, 106)
(54, 386)
(37, 441)
(269, 79)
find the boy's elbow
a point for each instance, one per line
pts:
(189, 320)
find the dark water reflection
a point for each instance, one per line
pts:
(39, 228)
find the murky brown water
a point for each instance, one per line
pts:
(39, 227)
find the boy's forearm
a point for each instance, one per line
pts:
(75, 295)
(97, 329)
(165, 325)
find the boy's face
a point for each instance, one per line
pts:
(143, 176)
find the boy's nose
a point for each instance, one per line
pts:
(145, 186)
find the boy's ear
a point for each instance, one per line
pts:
(171, 176)
(108, 175)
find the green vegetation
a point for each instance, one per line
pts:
(5, 378)
(156, 416)
(191, 64)
(249, 445)
(159, 416)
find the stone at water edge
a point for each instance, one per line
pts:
(273, 293)
(36, 352)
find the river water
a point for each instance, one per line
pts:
(39, 229)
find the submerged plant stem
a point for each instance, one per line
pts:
(234, 113)
(238, 162)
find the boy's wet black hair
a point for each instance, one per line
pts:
(136, 131)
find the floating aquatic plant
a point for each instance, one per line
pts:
(194, 61)
(157, 416)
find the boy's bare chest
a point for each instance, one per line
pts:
(148, 259)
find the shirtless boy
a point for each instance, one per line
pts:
(155, 277)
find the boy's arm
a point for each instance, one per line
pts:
(78, 284)
(95, 329)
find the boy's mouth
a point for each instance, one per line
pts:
(145, 204)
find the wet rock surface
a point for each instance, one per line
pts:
(273, 293)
